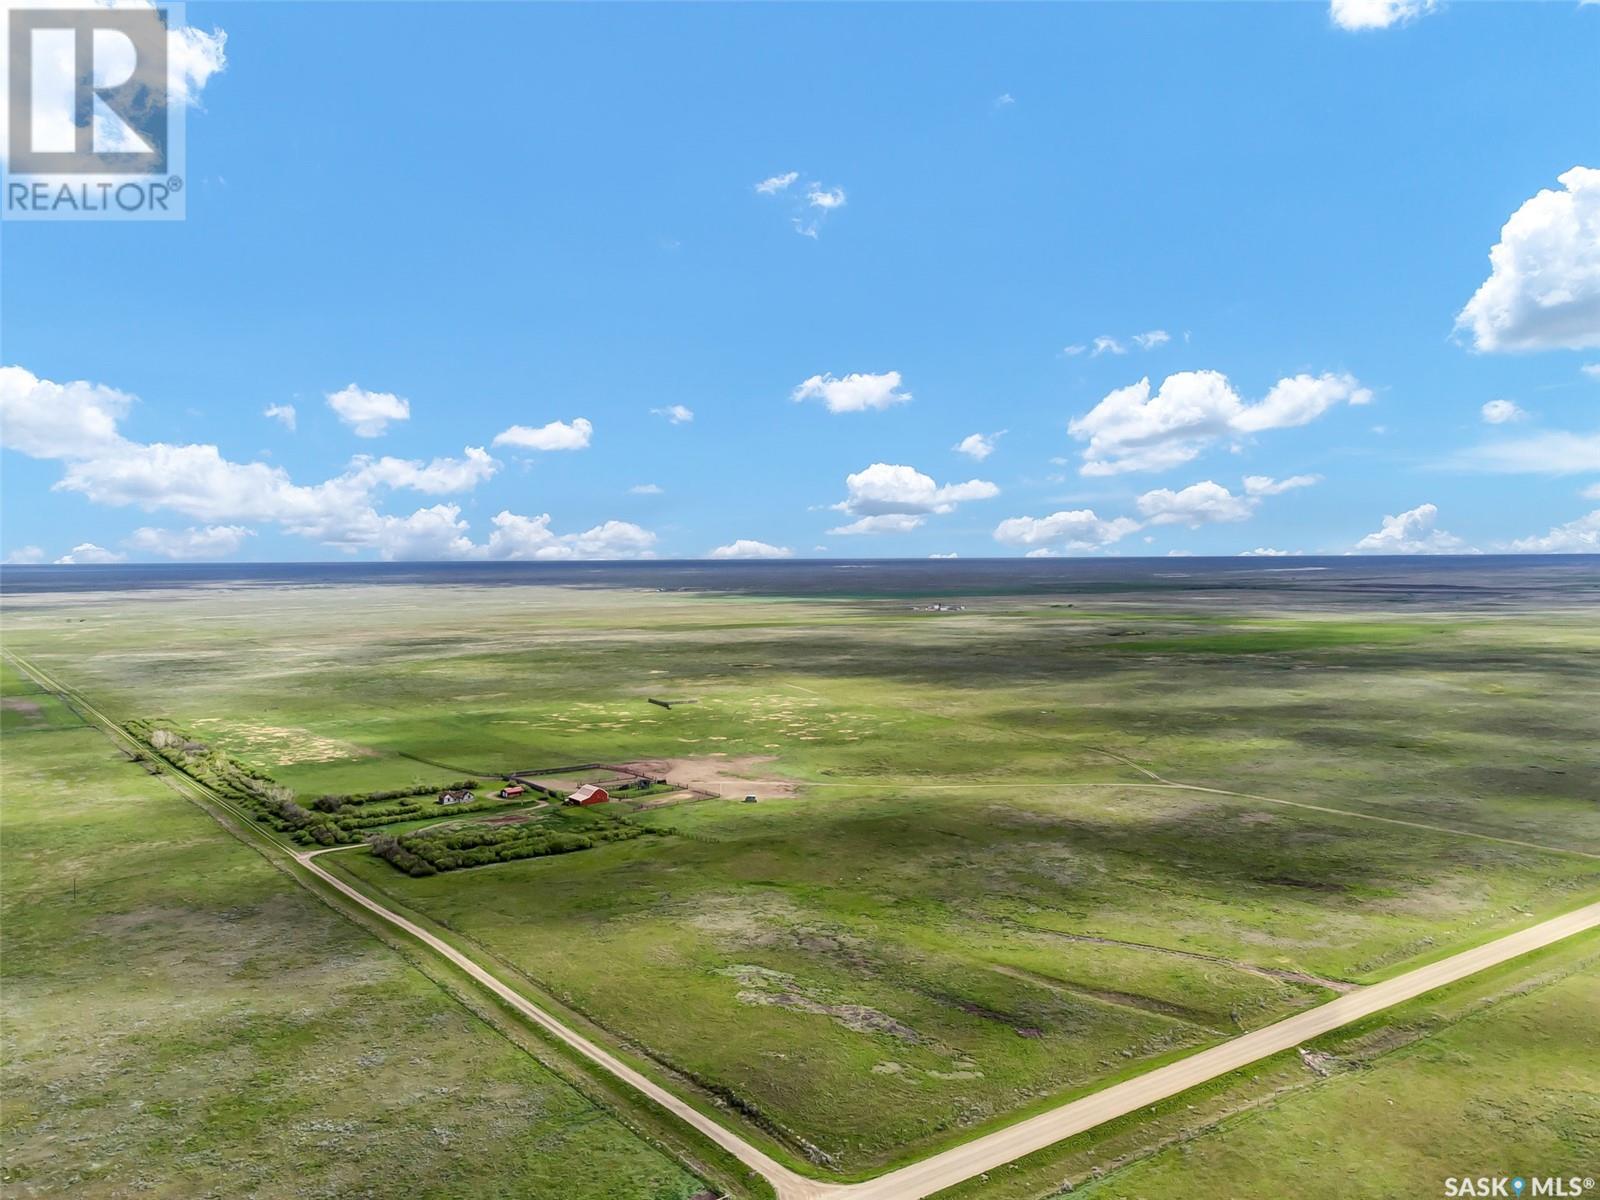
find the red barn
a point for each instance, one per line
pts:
(512, 791)
(589, 794)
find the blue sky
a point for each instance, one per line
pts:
(511, 216)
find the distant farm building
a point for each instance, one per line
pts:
(455, 797)
(589, 794)
(512, 791)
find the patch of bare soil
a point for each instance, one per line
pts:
(760, 985)
(732, 775)
(26, 707)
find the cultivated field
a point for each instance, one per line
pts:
(1001, 855)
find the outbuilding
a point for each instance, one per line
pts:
(589, 794)
(512, 791)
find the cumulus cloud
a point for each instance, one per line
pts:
(210, 541)
(368, 414)
(1377, 14)
(1553, 453)
(856, 392)
(1266, 552)
(439, 477)
(557, 435)
(1543, 290)
(1412, 532)
(1077, 529)
(282, 413)
(1575, 537)
(58, 420)
(518, 537)
(883, 523)
(25, 556)
(893, 498)
(1196, 505)
(827, 199)
(198, 482)
(748, 548)
(678, 414)
(1133, 430)
(978, 445)
(1498, 412)
(774, 184)
(88, 554)
(1106, 344)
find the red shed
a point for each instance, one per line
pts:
(589, 794)
(511, 791)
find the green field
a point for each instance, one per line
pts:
(984, 873)
(181, 1019)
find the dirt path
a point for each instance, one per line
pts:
(982, 1154)
(735, 775)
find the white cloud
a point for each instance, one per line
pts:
(1543, 290)
(1152, 339)
(58, 420)
(557, 435)
(1412, 532)
(518, 537)
(1267, 552)
(1078, 529)
(1554, 453)
(1592, 492)
(1377, 14)
(1498, 412)
(211, 541)
(676, 413)
(1592, 370)
(1265, 485)
(645, 489)
(883, 523)
(25, 556)
(1133, 430)
(774, 184)
(368, 414)
(1106, 344)
(1003, 100)
(747, 548)
(826, 199)
(893, 498)
(1073, 351)
(88, 554)
(282, 413)
(952, 554)
(1575, 537)
(1198, 504)
(1299, 401)
(978, 445)
(439, 477)
(855, 392)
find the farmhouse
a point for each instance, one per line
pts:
(462, 797)
(511, 791)
(589, 794)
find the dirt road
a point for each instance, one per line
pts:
(982, 1154)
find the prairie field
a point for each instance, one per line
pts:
(1001, 853)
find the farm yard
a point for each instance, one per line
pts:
(1005, 851)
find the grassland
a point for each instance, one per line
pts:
(975, 901)
(182, 1020)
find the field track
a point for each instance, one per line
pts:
(960, 1163)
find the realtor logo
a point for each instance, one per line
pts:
(90, 130)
